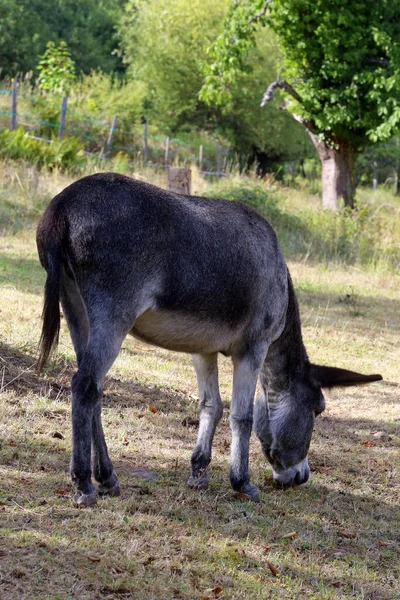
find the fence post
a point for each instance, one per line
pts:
(179, 180)
(218, 159)
(201, 158)
(14, 104)
(145, 146)
(63, 117)
(110, 135)
(166, 150)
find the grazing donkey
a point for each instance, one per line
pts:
(187, 274)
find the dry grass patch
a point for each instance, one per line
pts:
(335, 537)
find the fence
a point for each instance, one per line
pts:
(107, 139)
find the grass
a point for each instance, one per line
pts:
(335, 537)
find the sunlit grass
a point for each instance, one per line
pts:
(161, 540)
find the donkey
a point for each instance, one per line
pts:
(188, 274)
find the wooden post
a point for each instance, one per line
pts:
(145, 146)
(166, 151)
(179, 180)
(110, 135)
(218, 159)
(63, 117)
(201, 158)
(14, 104)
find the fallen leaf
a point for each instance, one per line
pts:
(292, 550)
(216, 591)
(12, 443)
(57, 435)
(241, 496)
(382, 544)
(337, 583)
(368, 444)
(290, 536)
(347, 534)
(272, 568)
(267, 548)
(152, 409)
(61, 492)
(93, 558)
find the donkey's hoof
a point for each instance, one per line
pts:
(85, 500)
(198, 483)
(110, 491)
(250, 490)
(110, 487)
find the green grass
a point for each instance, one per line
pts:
(161, 540)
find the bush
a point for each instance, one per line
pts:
(65, 154)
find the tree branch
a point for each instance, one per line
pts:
(282, 85)
(285, 86)
(260, 14)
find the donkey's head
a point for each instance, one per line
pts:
(284, 420)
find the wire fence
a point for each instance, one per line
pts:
(46, 121)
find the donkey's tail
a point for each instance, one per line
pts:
(51, 307)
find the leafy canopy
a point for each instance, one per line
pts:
(89, 28)
(165, 46)
(342, 60)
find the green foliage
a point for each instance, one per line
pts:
(56, 69)
(165, 45)
(65, 154)
(367, 236)
(342, 60)
(89, 28)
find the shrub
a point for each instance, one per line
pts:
(65, 154)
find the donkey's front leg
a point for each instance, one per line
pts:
(245, 374)
(210, 414)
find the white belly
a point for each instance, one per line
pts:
(183, 333)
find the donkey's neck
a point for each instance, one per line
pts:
(287, 357)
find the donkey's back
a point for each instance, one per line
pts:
(187, 273)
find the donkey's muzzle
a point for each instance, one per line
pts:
(295, 475)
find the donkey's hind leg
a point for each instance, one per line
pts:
(210, 414)
(75, 314)
(102, 348)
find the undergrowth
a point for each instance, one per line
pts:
(368, 236)
(65, 154)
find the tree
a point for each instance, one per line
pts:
(56, 69)
(339, 76)
(89, 28)
(165, 45)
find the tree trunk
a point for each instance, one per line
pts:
(338, 180)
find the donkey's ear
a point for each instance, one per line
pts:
(332, 376)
